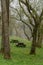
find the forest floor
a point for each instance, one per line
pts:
(21, 56)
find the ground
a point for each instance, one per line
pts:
(20, 56)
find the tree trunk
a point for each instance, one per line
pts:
(33, 48)
(39, 37)
(39, 42)
(5, 28)
(2, 44)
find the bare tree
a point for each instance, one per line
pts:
(37, 21)
(32, 16)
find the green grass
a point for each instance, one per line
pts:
(20, 56)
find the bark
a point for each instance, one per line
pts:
(33, 48)
(5, 29)
(39, 42)
(2, 44)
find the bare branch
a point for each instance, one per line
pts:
(30, 21)
(27, 25)
(41, 16)
(22, 2)
(25, 33)
(31, 10)
(22, 20)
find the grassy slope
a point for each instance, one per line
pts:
(20, 56)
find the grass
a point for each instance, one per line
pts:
(20, 56)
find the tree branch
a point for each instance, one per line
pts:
(26, 33)
(22, 20)
(31, 10)
(30, 21)
(41, 16)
